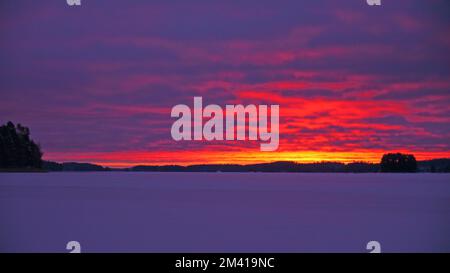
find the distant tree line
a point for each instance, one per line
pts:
(439, 165)
(72, 167)
(280, 166)
(389, 163)
(17, 149)
(434, 165)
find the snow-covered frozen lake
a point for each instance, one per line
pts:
(224, 212)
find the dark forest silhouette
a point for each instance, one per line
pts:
(17, 149)
(19, 152)
(434, 165)
(398, 163)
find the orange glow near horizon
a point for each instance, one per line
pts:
(184, 158)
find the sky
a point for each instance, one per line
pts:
(96, 83)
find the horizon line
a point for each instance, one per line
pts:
(225, 164)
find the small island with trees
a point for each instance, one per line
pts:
(19, 153)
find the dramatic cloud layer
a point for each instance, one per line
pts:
(96, 83)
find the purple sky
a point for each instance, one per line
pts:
(96, 83)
